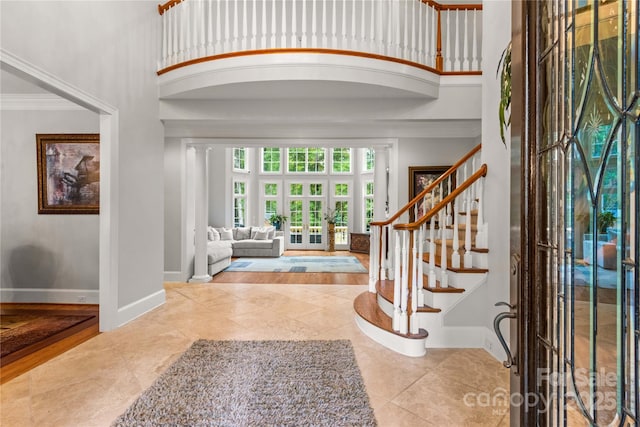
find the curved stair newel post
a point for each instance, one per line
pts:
(404, 283)
(481, 235)
(373, 259)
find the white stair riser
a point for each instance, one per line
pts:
(442, 301)
(406, 346)
(459, 280)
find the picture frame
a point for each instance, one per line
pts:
(421, 177)
(68, 173)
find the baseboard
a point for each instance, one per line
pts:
(51, 296)
(175, 276)
(493, 346)
(136, 309)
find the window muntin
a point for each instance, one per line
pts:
(239, 203)
(271, 160)
(367, 205)
(306, 160)
(341, 160)
(240, 159)
(368, 160)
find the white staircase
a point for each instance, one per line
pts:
(423, 273)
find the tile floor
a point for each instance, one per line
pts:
(93, 383)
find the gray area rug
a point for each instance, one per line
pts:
(257, 383)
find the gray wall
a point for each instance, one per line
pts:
(41, 251)
(173, 177)
(110, 51)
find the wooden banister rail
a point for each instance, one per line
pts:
(481, 172)
(162, 8)
(429, 188)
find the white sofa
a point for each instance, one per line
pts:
(224, 243)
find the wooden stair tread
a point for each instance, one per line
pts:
(425, 258)
(474, 212)
(385, 289)
(366, 305)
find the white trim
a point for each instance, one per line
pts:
(109, 140)
(136, 309)
(407, 346)
(36, 102)
(51, 296)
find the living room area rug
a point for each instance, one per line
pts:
(298, 264)
(257, 383)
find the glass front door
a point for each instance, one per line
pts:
(306, 204)
(579, 355)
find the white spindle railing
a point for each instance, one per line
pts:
(449, 195)
(406, 30)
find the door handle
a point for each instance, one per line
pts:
(496, 327)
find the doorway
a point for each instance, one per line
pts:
(305, 203)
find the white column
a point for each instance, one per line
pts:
(200, 270)
(380, 199)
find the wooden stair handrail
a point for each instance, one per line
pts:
(481, 172)
(433, 185)
(162, 8)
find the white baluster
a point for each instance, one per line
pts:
(467, 63)
(397, 284)
(383, 256)
(468, 259)
(354, 16)
(444, 278)
(334, 25)
(165, 39)
(474, 41)
(481, 235)
(304, 38)
(432, 252)
(455, 257)
(283, 33)
(235, 43)
(448, 53)
(314, 24)
(274, 28)
(420, 264)
(325, 36)
(434, 36)
(474, 186)
(218, 44)
(209, 28)
(294, 27)
(262, 44)
(456, 44)
(343, 42)
(448, 205)
(404, 297)
(254, 25)
(372, 26)
(420, 34)
(363, 26)
(245, 34)
(227, 28)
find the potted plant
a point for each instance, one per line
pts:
(605, 220)
(331, 216)
(278, 220)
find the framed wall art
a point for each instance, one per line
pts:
(68, 173)
(420, 177)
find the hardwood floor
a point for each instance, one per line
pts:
(301, 278)
(27, 358)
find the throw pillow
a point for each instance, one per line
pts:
(226, 235)
(242, 233)
(215, 234)
(271, 232)
(210, 233)
(261, 235)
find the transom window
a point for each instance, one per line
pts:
(240, 159)
(309, 160)
(271, 160)
(341, 160)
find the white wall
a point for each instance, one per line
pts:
(42, 256)
(497, 157)
(110, 51)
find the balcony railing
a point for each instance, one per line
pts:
(445, 39)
